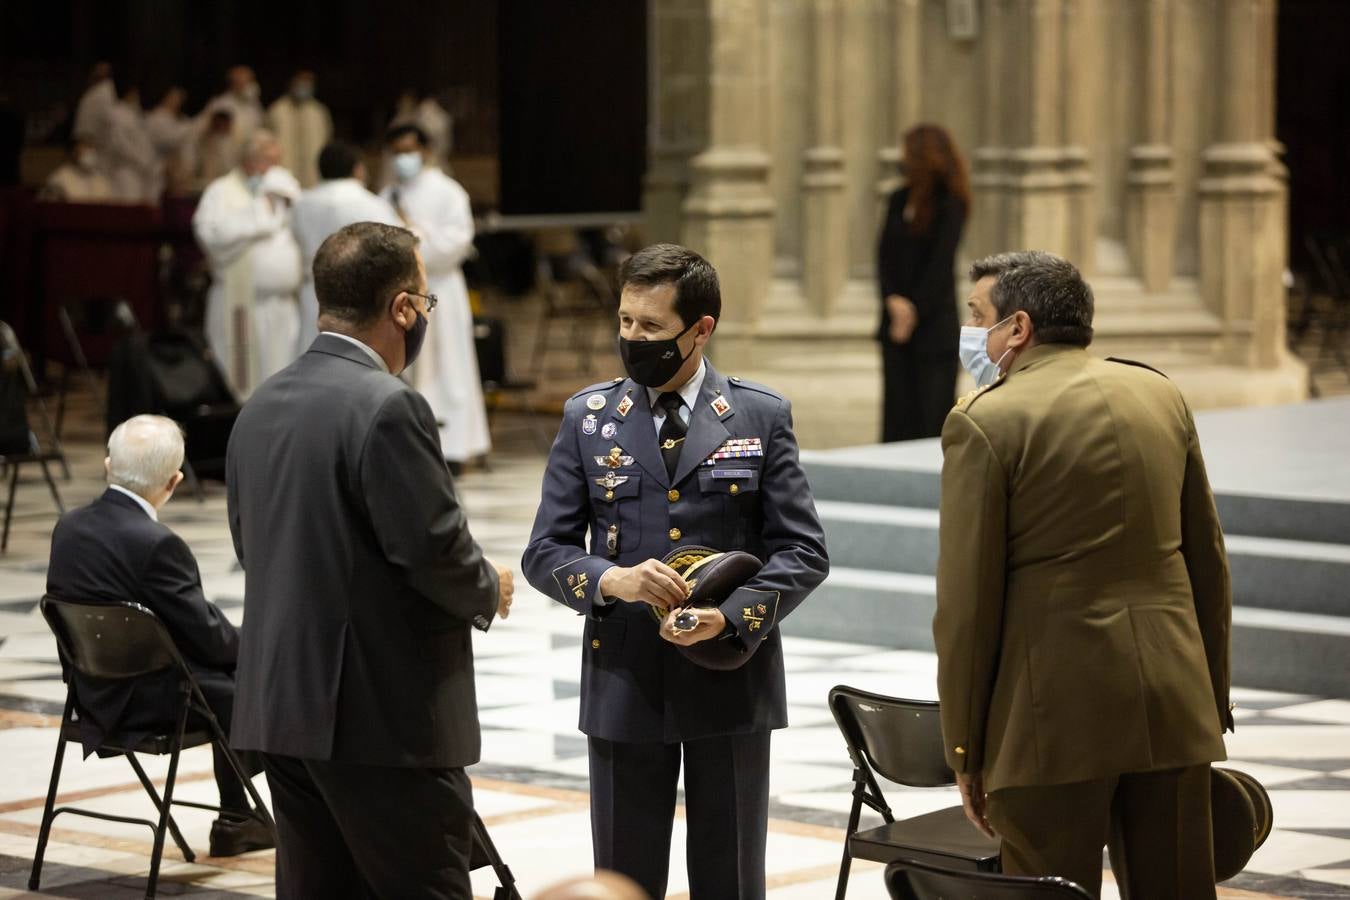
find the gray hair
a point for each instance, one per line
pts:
(144, 452)
(1048, 288)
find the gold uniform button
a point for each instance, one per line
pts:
(674, 534)
(595, 644)
(735, 489)
(609, 495)
(960, 751)
(672, 495)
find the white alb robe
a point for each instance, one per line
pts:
(171, 135)
(319, 212)
(437, 209)
(252, 316)
(91, 114)
(75, 184)
(302, 127)
(133, 165)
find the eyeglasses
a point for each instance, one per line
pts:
(431, 299)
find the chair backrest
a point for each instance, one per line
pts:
(919, 881)
(901, 739)
(110, 639)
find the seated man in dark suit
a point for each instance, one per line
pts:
(116, 549)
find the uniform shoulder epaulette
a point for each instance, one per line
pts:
(739, 382)
(1134, 362)
(594, 388)
(968, 399)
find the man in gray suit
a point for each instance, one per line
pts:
(677, 454)
(355, 672)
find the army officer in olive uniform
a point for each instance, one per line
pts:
(1083, 601)
(677, 454)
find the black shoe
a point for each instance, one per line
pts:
(233, 834)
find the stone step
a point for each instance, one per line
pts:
(1272, 649)
(1269, 573)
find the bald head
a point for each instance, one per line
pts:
(602, 886)
(145, 454)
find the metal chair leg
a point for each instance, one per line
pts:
(9, 505)
(159, 807)
(218, 736)
(158, 852)
(34, 879)
(51, 485)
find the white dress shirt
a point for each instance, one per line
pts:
(379, 360)
(688, 393)
(140, 501)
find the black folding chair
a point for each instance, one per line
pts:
(902, 740)
(117, 640)
(484, 853)
(19, 443)
(919, 881)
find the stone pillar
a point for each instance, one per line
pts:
(905, 52)
(1081, 68)
(860, 65)
(790, 95)
(728, 214)
(1150, 210)
(824, 222)
(1036, 189)
(1241, 235)
(988, 234)
(677, 91)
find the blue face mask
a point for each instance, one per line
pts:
(407, 165)
(974, 352)
(254, 182)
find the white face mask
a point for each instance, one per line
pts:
(974, 352)
(86, 159)
(407, 165)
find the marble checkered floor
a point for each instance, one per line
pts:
(531, 785)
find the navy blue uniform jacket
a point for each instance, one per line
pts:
(635, 686)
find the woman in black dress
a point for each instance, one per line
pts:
(915, 267)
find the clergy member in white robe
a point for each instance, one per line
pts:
(243, 223)
(436, 208)
(341, 199)
(241, 101)
(171, 134)
(79, 179)
(303, 125)
(133, 165)
(91, 113)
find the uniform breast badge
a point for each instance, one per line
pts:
(588, 425)
(595, 401)
(616, 459)
(608, 430)
(610, 480)
(624, 405)
(720, 405)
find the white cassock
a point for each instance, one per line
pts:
(303, 128)
(246, 117)
(252, 314)
(319, 212)
(91, 114)
(171, 135)
(437, 210)
(133, 165)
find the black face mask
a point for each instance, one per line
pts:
(413, 338)
(653, 363)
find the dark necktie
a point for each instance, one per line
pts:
(673, 430)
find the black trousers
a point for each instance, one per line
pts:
(919, 390)
(357, 831)
(218, 690)
(726, 796)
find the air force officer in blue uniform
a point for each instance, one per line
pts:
(676, 454)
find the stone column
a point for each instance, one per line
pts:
(1150, 211)
(728, 214)
(1036, 189)
(905, 53)
(790, 96)
(677, 91)
(860, 76)
(1081, 68)
(988, 234)
(1241, 235)
(824, 222)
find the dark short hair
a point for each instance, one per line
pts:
(697, 291)
(338, 160)
(406, 128)
(1048, 288)
(360, 268)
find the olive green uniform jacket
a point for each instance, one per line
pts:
(1083, 601)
